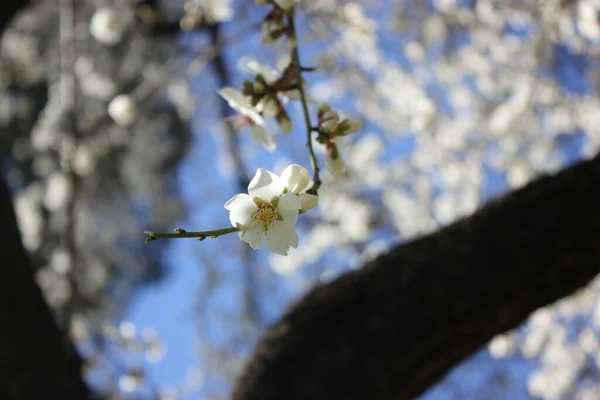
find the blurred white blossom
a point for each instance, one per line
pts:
(107, 26)
(123, 110)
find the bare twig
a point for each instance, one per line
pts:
(182, 233)
(298, 67)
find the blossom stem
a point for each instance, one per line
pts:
(182, 233)
(296, 64)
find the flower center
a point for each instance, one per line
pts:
(265, 215)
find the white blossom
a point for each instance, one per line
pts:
(270, 209)
(251, 117)
(123, 110)
(106, 26)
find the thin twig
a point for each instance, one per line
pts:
(182, 233)
(298, 66)
(69, 139)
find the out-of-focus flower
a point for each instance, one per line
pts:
(106, 26)
(249, 116)
(123, 110)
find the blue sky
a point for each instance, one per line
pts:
(170, 305)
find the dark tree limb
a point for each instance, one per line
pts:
(35, 360)
(9, 9)
(395, 327)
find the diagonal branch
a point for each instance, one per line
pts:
(395, 327)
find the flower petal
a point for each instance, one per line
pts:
(289, 206)
(335, 165)
(295, 178)
(268, 106)
(234, 98)
(280, 237)
(267, 72)
(265, 185)
(240, 209)
(307, 201)
(241, 104)
(263, 136)
(254, 237)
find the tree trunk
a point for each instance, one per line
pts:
(395, 327)
(36, 360)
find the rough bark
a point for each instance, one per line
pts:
(36, 361)
(395, 327)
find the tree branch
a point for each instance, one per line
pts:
(35, 361)
(395, 327)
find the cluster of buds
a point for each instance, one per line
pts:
(264, 96)
(329, 128)
(274, 25)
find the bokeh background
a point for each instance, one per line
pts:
(461, 102)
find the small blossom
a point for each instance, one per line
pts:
(106, 26)
(251, 117)
(122, 109)
(267, 213)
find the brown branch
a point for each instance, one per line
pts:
(395, 327)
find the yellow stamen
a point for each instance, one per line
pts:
(265, 215)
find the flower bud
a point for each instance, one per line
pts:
(329, 126)
(349, 126)
(295, 178)
(330, 115)
(323, 108)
